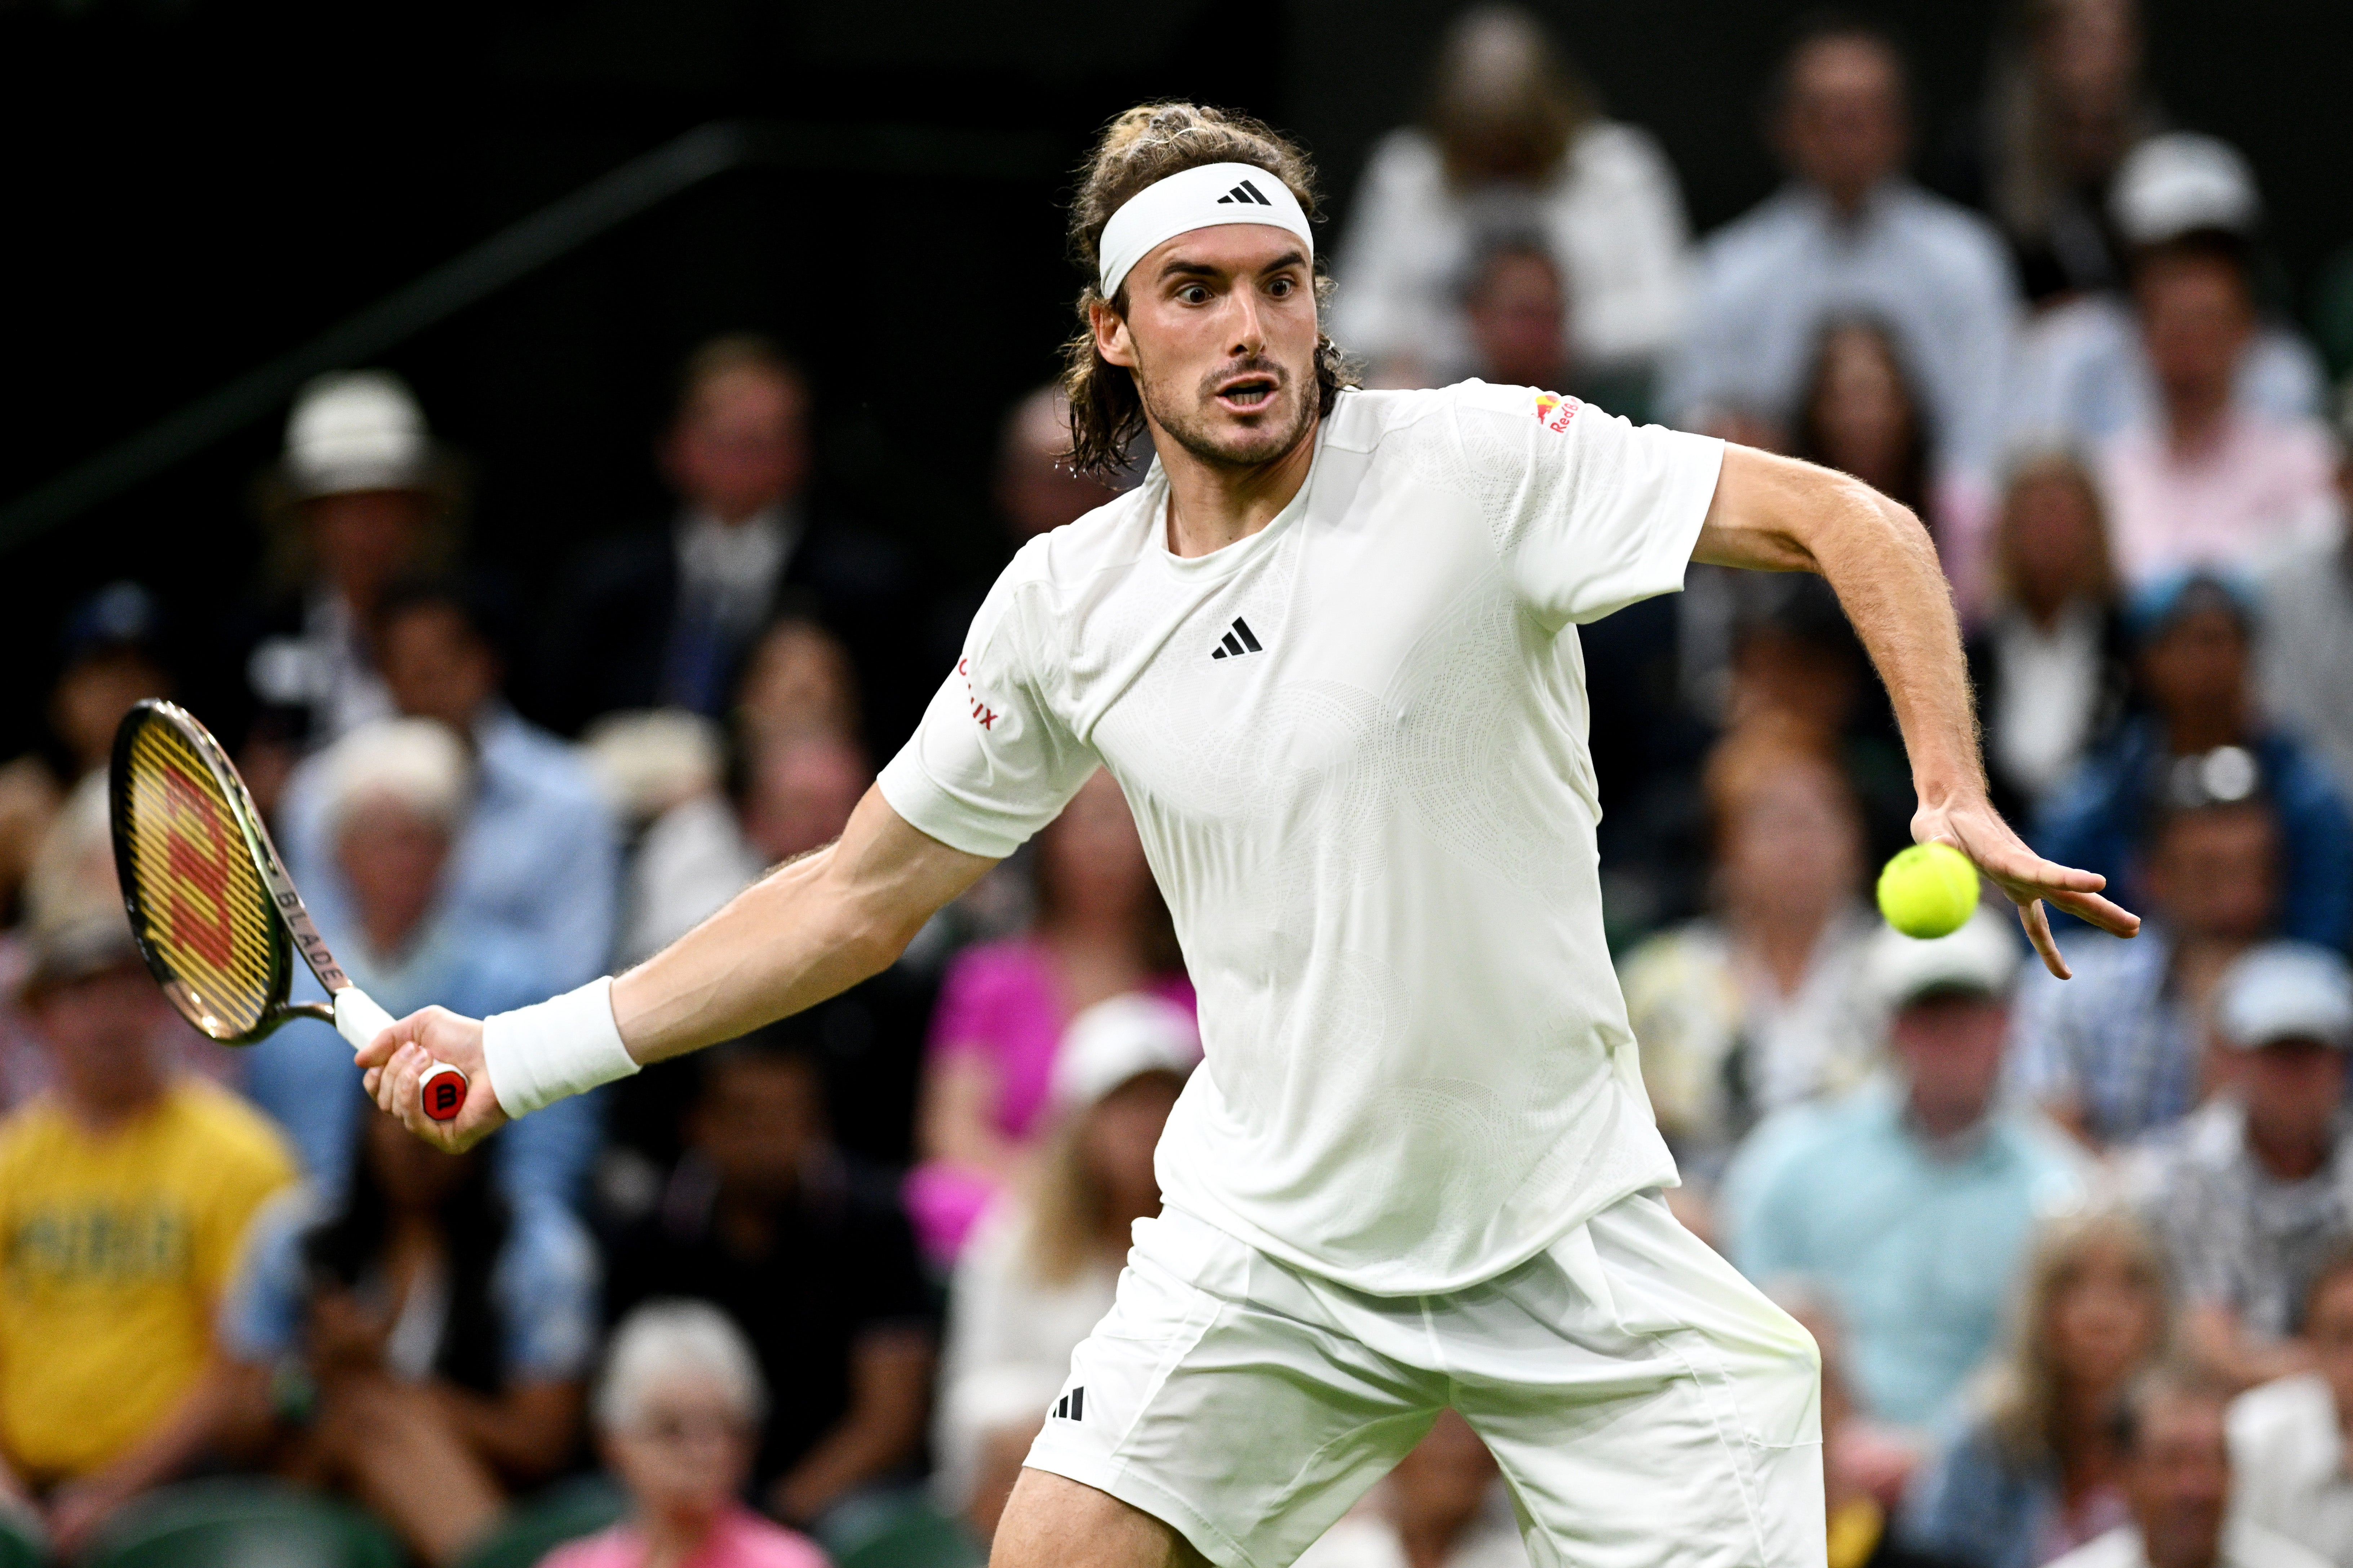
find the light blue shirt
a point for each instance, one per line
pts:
(2083, 376)
(1919, 1247)
(539, 856)
(1934, 273)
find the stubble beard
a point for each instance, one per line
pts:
(1193, 422)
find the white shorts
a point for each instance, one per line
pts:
(1648, 1407)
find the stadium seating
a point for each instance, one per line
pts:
(241, 1524)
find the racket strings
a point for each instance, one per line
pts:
(205, 910)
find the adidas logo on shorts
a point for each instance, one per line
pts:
(1072, 1405)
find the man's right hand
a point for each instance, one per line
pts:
(398, 1060)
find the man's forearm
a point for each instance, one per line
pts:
(778, 947)
(1878, 559)
(808, 931)
(1774, 514)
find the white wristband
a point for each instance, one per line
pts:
(537, 1055)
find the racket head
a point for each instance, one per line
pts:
(187, 840)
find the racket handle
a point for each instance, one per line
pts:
(359, 1020)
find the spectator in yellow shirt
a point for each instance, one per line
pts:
(125, 1191)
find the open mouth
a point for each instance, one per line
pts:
(1247, 394)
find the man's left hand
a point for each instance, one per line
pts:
(2027, 880)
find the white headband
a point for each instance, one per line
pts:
(1201, 198)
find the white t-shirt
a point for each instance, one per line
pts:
(1354, 746)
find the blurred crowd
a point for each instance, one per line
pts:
(2079, 1256)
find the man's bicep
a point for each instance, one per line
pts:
(885, 855)
(1757, 516)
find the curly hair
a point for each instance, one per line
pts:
(1141, 148)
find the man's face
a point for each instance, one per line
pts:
(101, 1033)
(741, 444)
(393, 856)
(1518, 318)
(1951, 1045)
(2293, 1089)
(2198, 318)
(2215, 872)
(2329, 1331)
(1844, 127)
(2197, 665)
(364, 539)
(1220, 334)
(436, 667)
(757, 1123)
(2179, 1482)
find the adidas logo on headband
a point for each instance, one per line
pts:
(1191, 199)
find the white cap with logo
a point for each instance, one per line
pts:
(2285, 991)
(1980, 959)
(1122, 1038)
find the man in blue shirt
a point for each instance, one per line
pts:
(1849, 236)
(1912, 1200)
(538, 853)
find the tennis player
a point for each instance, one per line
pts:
(1327, 649)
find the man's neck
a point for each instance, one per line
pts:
(2196, 419)
(1950, 1131)
(101, 1118)
(2287, 1159)
(1211, 505)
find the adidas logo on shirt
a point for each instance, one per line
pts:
(1072, 1405)
(1245, 194)
(1236, 642)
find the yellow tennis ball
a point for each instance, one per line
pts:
(1928, 890)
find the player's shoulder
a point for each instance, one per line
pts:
(1110, 536)
(1362, 420)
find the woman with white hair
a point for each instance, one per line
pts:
(1045, 1260)
(397, 795)
(678, 1417)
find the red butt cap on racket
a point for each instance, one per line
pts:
(359, 1020)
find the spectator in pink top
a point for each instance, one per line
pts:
(1101, 930)
(678, 1417)
(2209, 483)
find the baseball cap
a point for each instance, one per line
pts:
(1979, 960)
(1119, 1039)
(2285, 991)
(2181, 182)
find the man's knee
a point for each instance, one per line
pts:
(1052, 1522)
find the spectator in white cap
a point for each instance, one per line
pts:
(362, 495)
(1043, 1263)
(1913, 1199)
(2255, 1188)
(2186, 206)
(395, 795)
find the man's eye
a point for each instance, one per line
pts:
(1281, 287)
(1193, 294)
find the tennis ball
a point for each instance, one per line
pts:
(1928, 890)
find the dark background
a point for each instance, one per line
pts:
(196, 187)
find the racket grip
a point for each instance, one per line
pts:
(359, 1020)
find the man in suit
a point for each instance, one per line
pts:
(665, 619)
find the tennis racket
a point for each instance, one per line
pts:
(217, 917)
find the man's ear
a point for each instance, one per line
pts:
(1111, 339)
